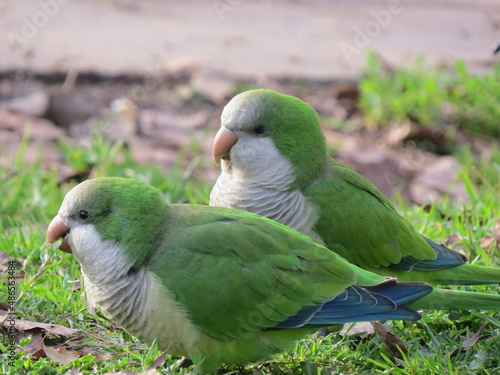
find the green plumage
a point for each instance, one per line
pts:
(277, 115)
(223, 286)
(256, 272)
(361, 224)
(353, 218)
(127, 220)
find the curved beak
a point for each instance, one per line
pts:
(224, 140)
(58, 230)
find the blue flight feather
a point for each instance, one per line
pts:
(356, 303)
(446, 258)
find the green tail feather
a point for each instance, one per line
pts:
(444, 299)
(466, 274)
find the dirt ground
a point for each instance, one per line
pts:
(158, 73)
(320, 39)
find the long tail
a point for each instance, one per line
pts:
(362, 303)
(466, 274)
(445, 258)
(444, 299)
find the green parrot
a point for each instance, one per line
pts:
(275, 163)
(219, 285)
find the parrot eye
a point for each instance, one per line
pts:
(259, 129)
(83, 215)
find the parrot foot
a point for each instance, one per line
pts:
(184, 363)
(323, 332)
(181, 363)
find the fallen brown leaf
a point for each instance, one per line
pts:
(4, 257)
(61, 355)
(452, 239)
(77, 285)
(393, 344)
(487, 244)
(158, 362)
(4, 265)
(496, 231)
(37, 331)
(471, 341)
(25, 325)
(106, 357)
(363, 328)
(4, 305)
(150, 372)
(35, 345)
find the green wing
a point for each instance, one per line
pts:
(360, 223)
(255, 271)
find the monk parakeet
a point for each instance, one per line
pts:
(275, 163)
(219, 285)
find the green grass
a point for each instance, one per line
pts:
(420, 94)
(48, 288)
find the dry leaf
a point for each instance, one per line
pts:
(25, 328)
(487, 244)
(451, 239)
(61, 355)
(393, 344)
(77, 285)
(4, 306)
(35, 345)
(471, 341)
(363, 328)
(26, 325)
(150, 372)
(4, 257)
(122, 372)
(99, 358)
(4, 266)
(39, 353)
(496, 231)
(158, 362)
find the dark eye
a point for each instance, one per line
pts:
(83, 215)
(259, 129)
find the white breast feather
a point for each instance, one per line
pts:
(136, 300)
(262, 186)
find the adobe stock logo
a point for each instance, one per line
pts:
(38, 20)
(221, 7)
(363, 36)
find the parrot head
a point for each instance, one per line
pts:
(118, 211)
(261, 126)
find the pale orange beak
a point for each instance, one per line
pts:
(224, 140)
(58, 230)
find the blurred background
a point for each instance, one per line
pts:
(408, 93)
(401, 86)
